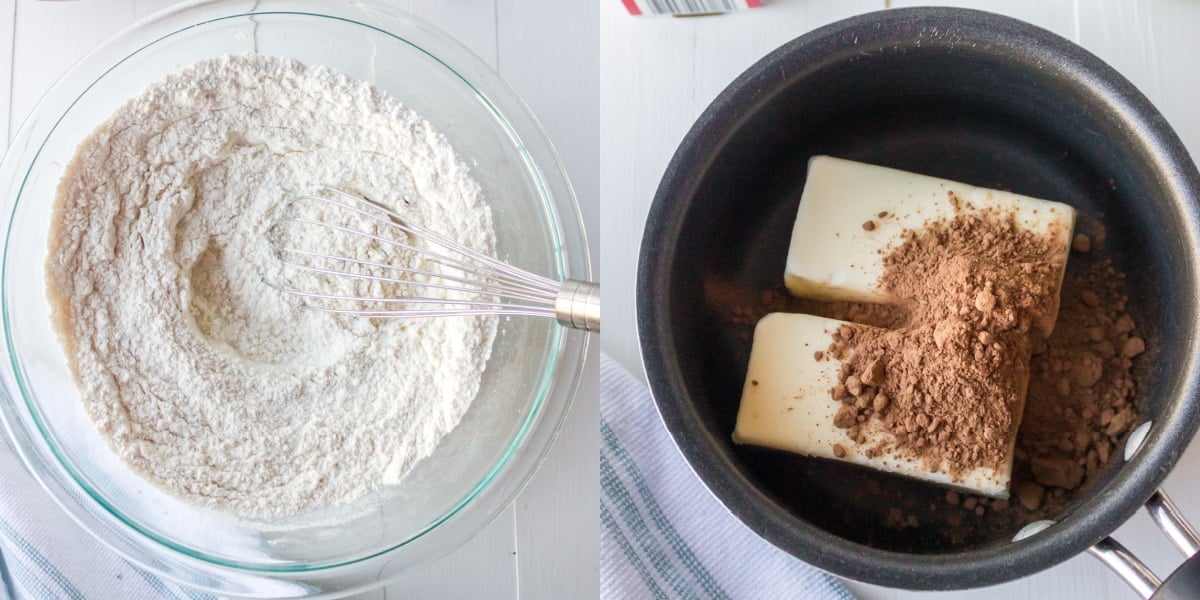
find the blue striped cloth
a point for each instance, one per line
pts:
(662, 534)
(46, 555)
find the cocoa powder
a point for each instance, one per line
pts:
(1093, 301)
(978, 289)
(1082, 386)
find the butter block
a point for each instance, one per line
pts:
(835, 255)
(786, 405)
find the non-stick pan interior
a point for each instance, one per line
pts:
(952, 126)
(955, 94)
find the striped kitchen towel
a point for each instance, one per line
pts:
(46, 555)
(662, 534)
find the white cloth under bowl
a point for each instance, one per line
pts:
(44, 554)
(662, 534)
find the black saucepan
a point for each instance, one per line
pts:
(953, 93)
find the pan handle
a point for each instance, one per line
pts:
(1115, 556)
(1171, 521)
(1184, 582)
(1127, 566)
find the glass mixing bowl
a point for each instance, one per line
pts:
(476, 470)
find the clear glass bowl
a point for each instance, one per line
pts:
(475, 471)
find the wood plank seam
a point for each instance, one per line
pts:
(516, 545)
(496, 33)
(10, 127)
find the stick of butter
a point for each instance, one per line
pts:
(786, 405)
(852, 215)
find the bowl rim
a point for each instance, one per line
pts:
(566, 351)
(1089, 522)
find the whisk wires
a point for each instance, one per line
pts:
(489, 286)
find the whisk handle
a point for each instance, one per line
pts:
(577, 305)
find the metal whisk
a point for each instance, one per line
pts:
(494, 287)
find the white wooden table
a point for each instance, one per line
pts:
(545, 544)
(658, 74)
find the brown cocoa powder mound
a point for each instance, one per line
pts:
(978, 289)
(1081, 392)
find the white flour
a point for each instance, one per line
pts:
(215, 386)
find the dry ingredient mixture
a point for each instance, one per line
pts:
(218, 388)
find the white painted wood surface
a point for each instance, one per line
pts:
(8, 15)
(658, 74)
(545, 544)
(655, 77)
(549, 51)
